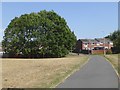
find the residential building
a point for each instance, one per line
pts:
(94, 44)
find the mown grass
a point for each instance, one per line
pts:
(39, 73)
(114, 59)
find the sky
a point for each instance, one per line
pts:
(60, 0)
(86, 19)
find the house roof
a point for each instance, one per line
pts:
(92, 40)
(88, 40)
(96, 40)
(102, 40)
(84, 40)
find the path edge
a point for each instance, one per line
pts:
(112, 67)
(89, 57)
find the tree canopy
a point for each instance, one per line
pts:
(115, 37)
(42, 34)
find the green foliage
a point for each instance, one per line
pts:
(115, 37)
(42, 34)
(117, 44)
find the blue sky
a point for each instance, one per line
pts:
(60, 1)
(86, 19)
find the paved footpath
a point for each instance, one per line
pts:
(97, 73)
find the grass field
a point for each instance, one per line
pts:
(39, 73)
(114, 59)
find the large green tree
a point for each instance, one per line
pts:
(42, 34)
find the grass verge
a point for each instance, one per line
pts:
(114, 59)
(39, 73)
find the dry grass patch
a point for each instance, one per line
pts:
(39, 73)
(113, 58)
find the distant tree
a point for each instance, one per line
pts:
(115, 37)
(42, 34)
(117, 44)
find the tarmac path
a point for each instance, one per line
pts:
(97, 73)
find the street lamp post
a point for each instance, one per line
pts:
(104, 47)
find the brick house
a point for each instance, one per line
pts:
(97, 44)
